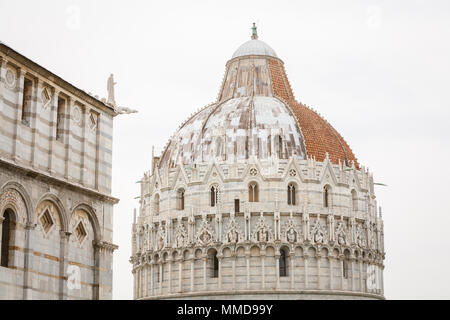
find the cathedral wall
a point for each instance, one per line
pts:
(50, 263)
(48, 128)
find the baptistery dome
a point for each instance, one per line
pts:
(257, 196)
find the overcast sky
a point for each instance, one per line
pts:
(378, 71)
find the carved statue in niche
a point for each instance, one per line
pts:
(341, 233)
(145, 237)
(290, 232)
(262, 232)
(141, 237)
(318, 232)
(372, 241)
(233, 233)
(160, 237)
(181, 237)
(360, 236)
(205, 234)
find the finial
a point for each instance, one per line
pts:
(254, 32)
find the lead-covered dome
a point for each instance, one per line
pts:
(256, 114)
(254, 47)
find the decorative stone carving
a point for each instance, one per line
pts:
(341, 234)
(291, 232)
(161, 237)
(10, 78)
(12, 198)
(372, 236)
(233, 233)
(181, 235)
(360, 237)
(262, 232)
(45, 97)
(77, 115)
(205, 235)
(318, 233)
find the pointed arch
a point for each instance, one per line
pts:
(292, 194)
(63, 216)
(327, 196)
(92, 218)
(25, 198)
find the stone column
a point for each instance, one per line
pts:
(361, 275)
(3, 63)
(35, 120)
(247, 260)
(18, 117)
(147, 279)
(28, 275)
(276, 223)
(180, 273)
(170, 275)
(160, 276)
(205, 260)
(352, 258)
(341, 262)
(305, 257)
(63, 262)
(330, 258)
(85, 132)
(220, 271)
(134, 283)
(233, 261)
(352, 233)
(318, 257)
(1, 222)
(192, 272)
(103, 252)
(263, 274)
(138, 281)
(67, 137)
(292, 258)
(152, 279)
(277, 271)
(52, 133)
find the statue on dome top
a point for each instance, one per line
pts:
(254, 32)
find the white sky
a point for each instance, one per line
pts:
(378, 71)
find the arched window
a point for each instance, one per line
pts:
(215, 266)
(6, 237)
(253, 195)
(291, 194)
(344, 269)
(237, 205)
(156, 205)
(326, 196)
(354, 201)
(283, 263)
(180, 199)
(345, 264)
(214, 195)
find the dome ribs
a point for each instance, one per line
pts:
(320, 137)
